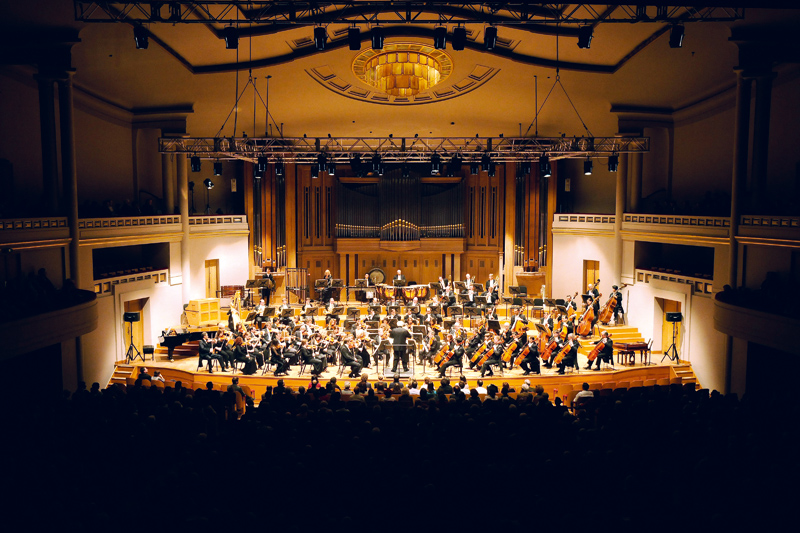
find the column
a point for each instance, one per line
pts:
(740, 135)
(619, 212)
(761, 139)
(47, 121)
(70, 177)
(167, 184)
(183, 205)
(635, 171)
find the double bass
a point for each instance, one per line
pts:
(584, 326)
(607, 312)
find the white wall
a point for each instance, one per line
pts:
(233, 261)
(569, 252)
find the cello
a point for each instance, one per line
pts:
(549, 348)
(561, 354)
(525, 351)
(597, 349)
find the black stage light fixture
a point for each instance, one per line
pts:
(490, 38)
(218, 168)
(545, 170)
(436, 164)
(440, 37)
(377, 38)
(354, 38)
(613, 162)
(526, 167)
(587, 166)
(405, 170)
(490, 172)
(231, 35)
(675, 36)
(314, 171)
(155, 12)
(377, 165)
(258, 175)
(585, 34)
(332, 168)
(141, 37)
(174, 12)
(355, 165)
(279, 168)
(474, 168)
(263, 162)
(208, 183)
(195, 161)
(455, 165)
(459, 37)
(486, 161)
(322, 162)
(320, 37)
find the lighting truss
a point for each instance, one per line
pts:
(299, 13)
(400, 150)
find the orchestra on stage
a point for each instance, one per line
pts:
(443, 327)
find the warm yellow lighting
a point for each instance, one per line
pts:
(403, 69)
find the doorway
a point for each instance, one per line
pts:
(669, 306)
(591, 274)
(134, 331)
(212, 278)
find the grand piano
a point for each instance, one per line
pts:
(177, 339)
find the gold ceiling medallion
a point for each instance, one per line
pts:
(403, 69)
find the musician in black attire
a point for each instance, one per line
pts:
(400, 336)
(374, 314)
(517, 317)
(329, 314)
(240, 354)
(596, 309)
(267, 279)
(307, 356)
(607, 354)
(433, 347)
(491, 290)
(206, 353)
(349, 360)
(276, 358)
(559, 344)
(495, 358)
(618, 308)
(530, 363)
(399, 277)
(327, 288)
(457, 347)
(571, 357)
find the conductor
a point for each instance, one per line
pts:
(400, 336)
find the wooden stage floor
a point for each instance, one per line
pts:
(185, 370)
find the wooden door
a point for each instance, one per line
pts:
(591, 273)
(135, 330)
(212, 278)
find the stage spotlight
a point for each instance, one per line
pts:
(332, 168)
(474, 168)
(377, 38)
(486, 162)
(279, 168)
(141, 37)
(231, 35)
(526, 167)
(195, 161)
(208, 183)
(585, 34)
(322, 162)
(440, 37)
(405, 170)
(545, 170)
(263, 162)
(588, 166)
(355, 164)
(314, 171)
(490, 37)
(459, 37)
(436, 164)
(455, 165)
(675, 36)
(377, 165)
(613, 162)
(354, 38)
(490, 172)
(218, 168)
(155, 12)
(320, 37)
(174, 12)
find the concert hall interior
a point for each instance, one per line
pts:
(156, 158)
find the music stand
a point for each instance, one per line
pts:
(360, 283)
(435, 286)
(384, 346)
(269, 311)
(337, 310)
(494, 325)
(320, 285)
(454, 310)
(477, 287)
(412, 309)
(353, 312)
(459, 285)
(472, 312)
(375, 308)
(311, 311)
(398, 283)
(395, 307)
(528, 304)
(506, 300)
(435, 308)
